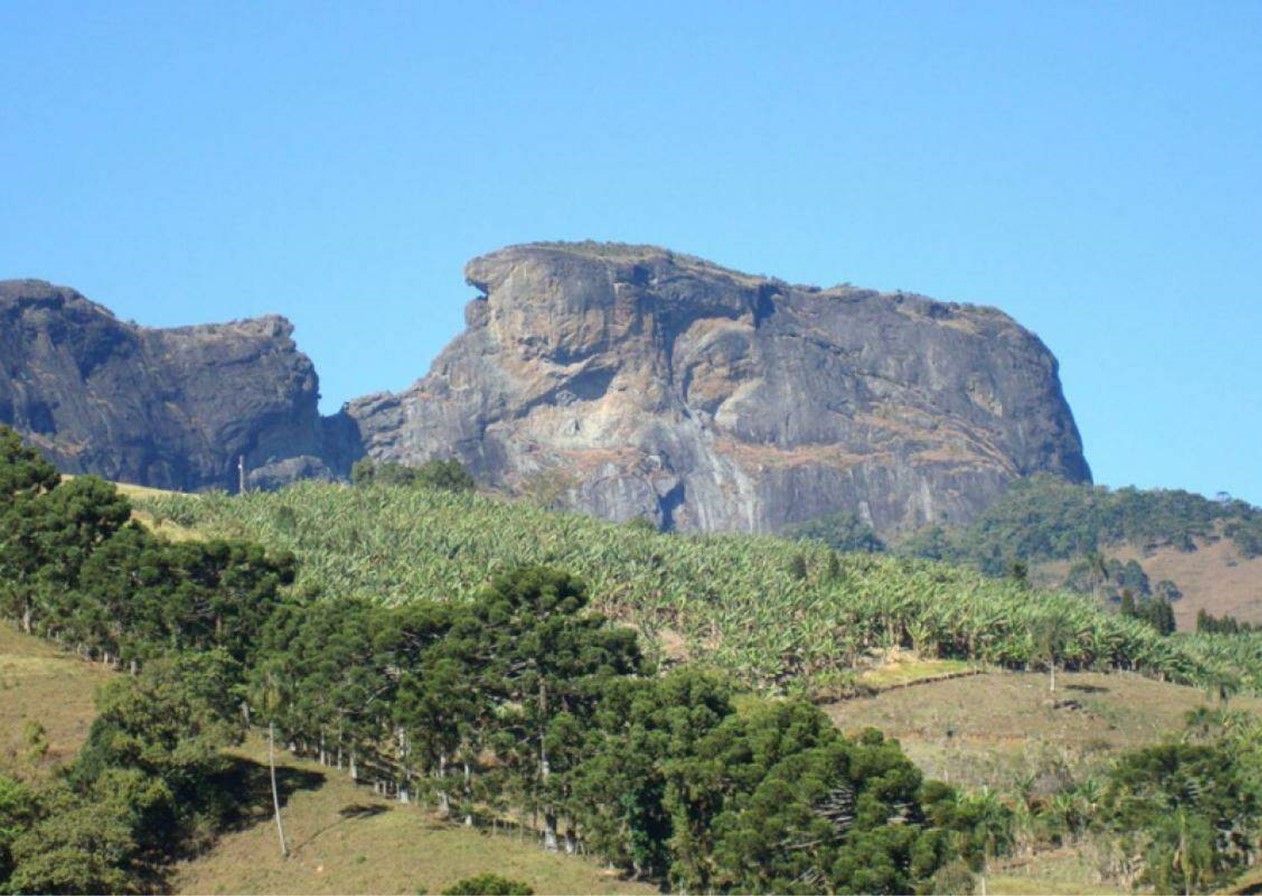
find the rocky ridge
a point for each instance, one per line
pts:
(631, 381)
(625, 381)
(170, 408)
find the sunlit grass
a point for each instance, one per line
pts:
(41, 686)
(345, 839)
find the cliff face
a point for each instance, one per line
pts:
(169, 408)
(625, 381)
(630, 381)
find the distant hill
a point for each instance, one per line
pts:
(1200, 553)
(624, 381)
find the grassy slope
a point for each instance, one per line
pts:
(344, 839)
(995, 727)
(38, 683)
(1214, 578)
(1001, 729)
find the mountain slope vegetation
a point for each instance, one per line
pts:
(516, 695)
(1045, 518)
(1157, 545)
(778, 616)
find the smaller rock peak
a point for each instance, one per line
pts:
(29, 287)
(31, 292)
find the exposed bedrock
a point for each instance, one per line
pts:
(170, 408)
(632, 381)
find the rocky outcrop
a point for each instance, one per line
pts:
(171, 408)
(621, 380)
(632, 381)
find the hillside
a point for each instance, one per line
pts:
(1003, 733)
(1216, 577)
(40, 685)
(776, 614)
(999, 728)
(1197, 553)
(518, 705)
(347, 839)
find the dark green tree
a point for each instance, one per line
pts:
(644, 733)
(1198, 806)
(447, 475)
(843, 532)
(537, 658)
(24, 473)
(78, 845)
(488, 885)
(17, 812)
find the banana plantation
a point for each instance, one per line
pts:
(780, 616)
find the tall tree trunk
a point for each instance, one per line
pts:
(549, 830)
(468, 795)
(549, 815)
(543, 724)
(271, 762)
(405, 775)
(444, 801)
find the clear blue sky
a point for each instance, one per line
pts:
(1094, 169)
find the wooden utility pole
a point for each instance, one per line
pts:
(271, 762)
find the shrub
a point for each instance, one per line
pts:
(488, 885)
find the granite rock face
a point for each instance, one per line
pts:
(630, 381)
(625, 381)
(171, 408)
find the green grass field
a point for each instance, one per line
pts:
(344, 839)
(995, 728)
(40, 685)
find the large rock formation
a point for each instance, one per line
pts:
(631, 381)
(168, 408)
(625, 381)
